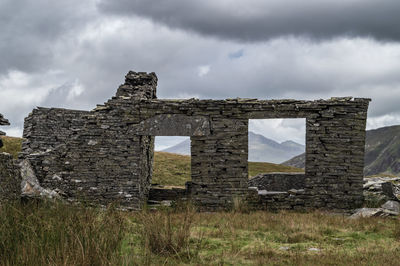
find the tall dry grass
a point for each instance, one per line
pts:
(51, 233)
(167, 231)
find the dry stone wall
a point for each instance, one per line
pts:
(10, 178)
(279, 181)
(107, 154)
(3, 122)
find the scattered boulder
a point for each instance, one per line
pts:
(393, 206)
(390, 208)
(388, 190)
(381, 189)
(366, 212)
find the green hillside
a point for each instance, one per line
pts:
(382, 151)
(12, 145)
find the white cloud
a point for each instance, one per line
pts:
(280, 130)
(164, 142)
(12, 131)
(203, 70)
(75, 91)
(384, 120)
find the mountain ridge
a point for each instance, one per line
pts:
(382, 152)
(261, 149)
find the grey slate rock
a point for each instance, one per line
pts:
(3, 121)
(393, 206)
(30, 186)
(366, 212)
(388, 190)
(10, 178)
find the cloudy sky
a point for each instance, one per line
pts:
(75, 53)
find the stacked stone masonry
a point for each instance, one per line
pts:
(3, 122)
(106, 154)
(279, 181)
(10, 178)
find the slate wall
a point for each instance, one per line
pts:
(3, 122)
(10, 178)
(278, 181)
(109, 157)
(89, 156)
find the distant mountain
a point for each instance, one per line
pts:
(298, 161)
(182, 148)
(261, 149)
(382, 152)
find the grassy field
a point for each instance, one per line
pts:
(52, 233)
(12, 145)
(57, 234)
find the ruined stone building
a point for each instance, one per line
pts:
(106, 154)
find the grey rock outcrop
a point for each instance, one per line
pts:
(367, 212)
(381, 189)
(393, 206)
(389, 208)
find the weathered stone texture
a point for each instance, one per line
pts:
(10, 178)
(278, 181)
(3, 122)
(107, 154)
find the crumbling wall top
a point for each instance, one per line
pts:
(3, 122)
(139, 85)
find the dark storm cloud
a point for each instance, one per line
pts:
(256, 20)
(28, 30)
(74, 54)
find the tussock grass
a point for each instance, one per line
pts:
(58, 234)
(51, 233)
(167, 231)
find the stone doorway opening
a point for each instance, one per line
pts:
(171, 174)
